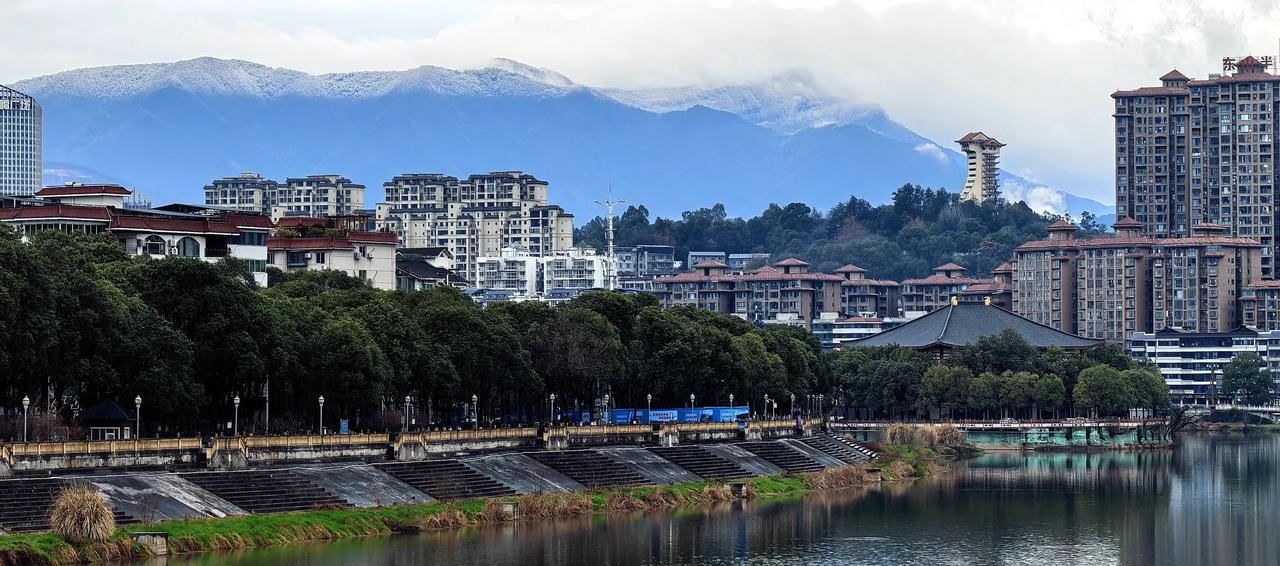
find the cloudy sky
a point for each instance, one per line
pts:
(1036, 75)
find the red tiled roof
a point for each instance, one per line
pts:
(1062, 225)
(1127, 222)
(870, 282)
(949, 267)
(766, 269)
(249, 221)
(78, 190)
(372, 237)
(1248, 61)
(789, 277)
(851, 268)
(987, 288)
(1174, 75)
(979, 137)
(1003, 268)
(791, 262)
(1152, 91)
(1138, 241)
(295, 221)
(173, 225)
(56, 211)
(316, 243)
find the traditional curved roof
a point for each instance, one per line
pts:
(964, 324)
(949, 267)
(1062, 226)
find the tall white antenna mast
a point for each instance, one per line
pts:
(611, 261)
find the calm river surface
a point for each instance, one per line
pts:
(1213, 500)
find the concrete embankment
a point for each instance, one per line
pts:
(1059, 435)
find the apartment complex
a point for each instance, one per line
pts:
(314, 244)
(935, 291)
(1113, 286)
(475, 217)
(313, 195)
(982, 153)
(21, 145)
(1192, 152)
(781, 293)
(1192, 362)
(535, 276)
(645, 260)
(866, 297)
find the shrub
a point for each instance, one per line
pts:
(844, 476)
(81, 515)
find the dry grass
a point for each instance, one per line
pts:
(844, 476)
(81, 515)
(496, 512)
(446, 519)
(900, 470)
(550, 505)
(923, 435)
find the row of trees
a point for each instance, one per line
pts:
(81, 321)
(919, 229)
(1001, 375)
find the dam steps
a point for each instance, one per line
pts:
(265, 491)
(446, 479)
(698, 460)
(24, 504)
(783, 456)
(589, 468)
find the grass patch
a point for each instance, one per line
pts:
(901, 461)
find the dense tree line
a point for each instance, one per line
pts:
(83, 320)
(999, 376)
(919, 229)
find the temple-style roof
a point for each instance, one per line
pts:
(710, 264)
(949, 267)
(964, 324)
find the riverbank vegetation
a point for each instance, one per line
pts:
(88, 322)
(998, 376)
(243, 531)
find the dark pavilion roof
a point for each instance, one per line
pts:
(106, 411)
(964, 324)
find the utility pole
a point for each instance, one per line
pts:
(611, 261)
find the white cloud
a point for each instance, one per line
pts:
(932, 150)
(1036, 75)
(1039, 197)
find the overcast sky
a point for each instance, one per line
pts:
(1034, 74)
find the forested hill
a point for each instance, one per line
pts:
(919, 229)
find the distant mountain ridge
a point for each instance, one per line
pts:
(169, 128)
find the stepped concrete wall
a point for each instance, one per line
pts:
(362, 485)
(522, 473)
(650, 466)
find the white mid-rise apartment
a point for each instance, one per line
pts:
(313, 195)
(535, 275)
(475, 217)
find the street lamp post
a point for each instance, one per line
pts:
(475, 409)
(552, 419)
(648, 407)
(690, 400)
(822, 409)
(407, 419)
(266, 411)
(793, 404)
(26, 402)
(235, 422)
(766, 406)
(320, 430)
(730, 399)
(137, 416)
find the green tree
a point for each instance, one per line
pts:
(1245, 378)
(1103, 389)
(984, 393)
(1017, 391)
(945, 387)
(1049, 394)
(1149, 389)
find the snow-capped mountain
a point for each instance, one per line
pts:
(169, 128)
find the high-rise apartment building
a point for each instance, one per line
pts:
(981, 184)
(475, 217)
(21, 127)
(1192, 152)
(1113, 286)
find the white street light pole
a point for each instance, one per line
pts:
(137, 415)
(552, 418)
(320, 431)
(235, 422)
(26, 402)
(648, 410)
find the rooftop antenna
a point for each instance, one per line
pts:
(610, 272)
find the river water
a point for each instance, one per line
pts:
(1215, 499)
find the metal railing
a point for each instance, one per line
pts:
(427, 437)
